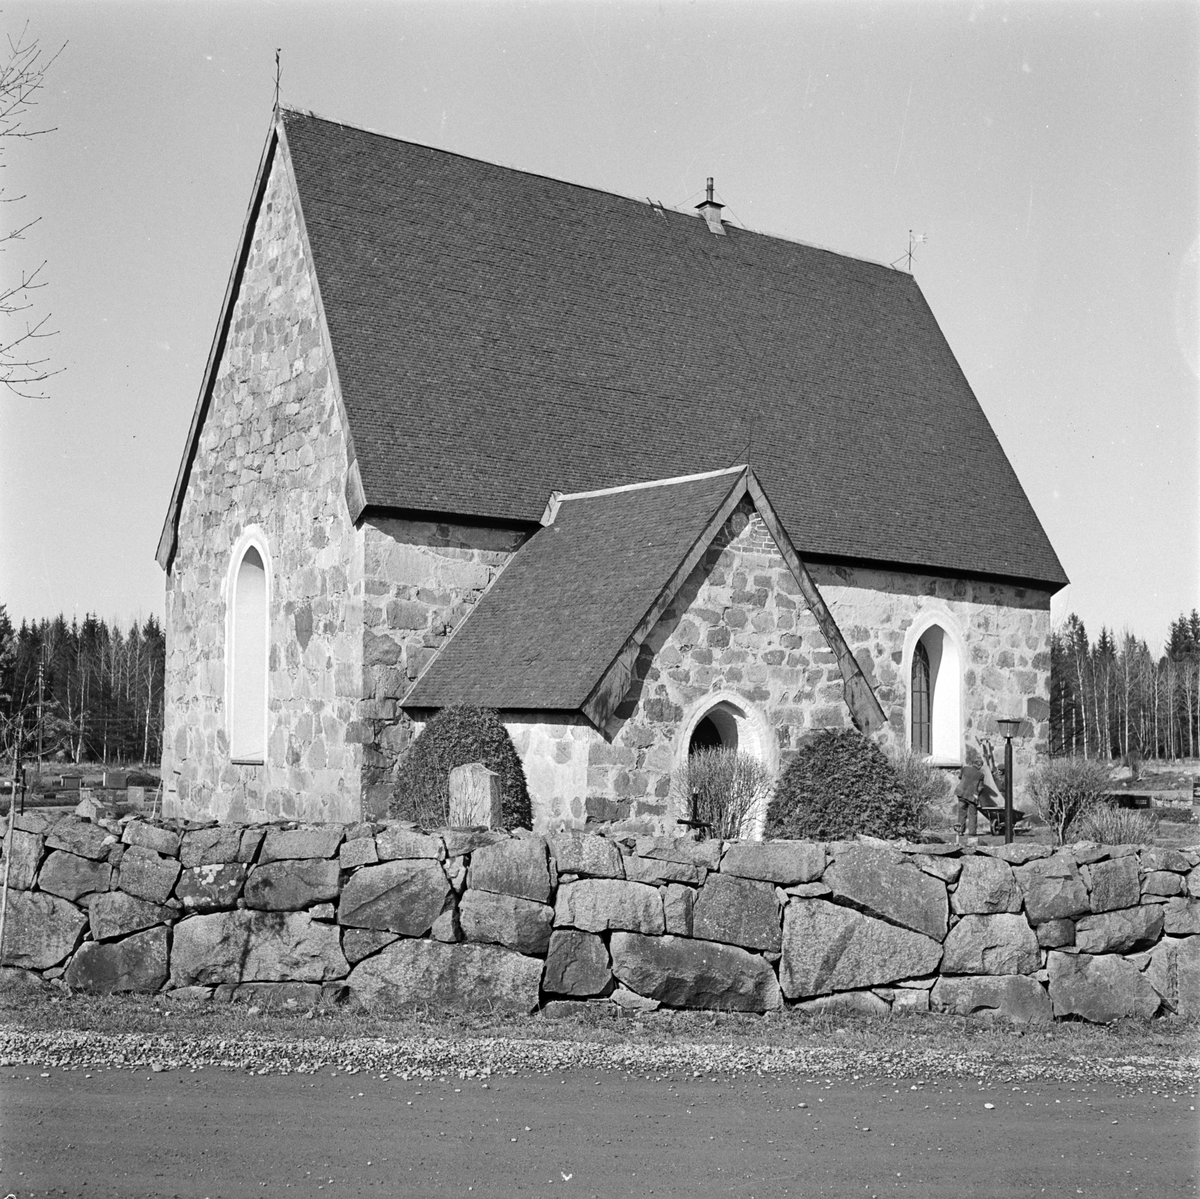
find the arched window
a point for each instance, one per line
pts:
(247, 660)
(935, 697)
(922, 741)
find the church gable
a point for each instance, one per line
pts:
(263, 697)
(737, 642)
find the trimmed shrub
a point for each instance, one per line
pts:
(728, 786)
(1065, 790)
(1111, 825)
(840, 784)
(454, 737)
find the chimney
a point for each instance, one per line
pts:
(711, 210)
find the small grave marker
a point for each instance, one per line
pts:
(474, 797)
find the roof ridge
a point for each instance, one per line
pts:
(557, 498)
(641, 201)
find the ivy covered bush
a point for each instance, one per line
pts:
(840, 784)
(454, 737)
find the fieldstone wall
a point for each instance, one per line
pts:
(421, 581)
(738, 628)
(1005, 630)
(272, 454)
(460, 918)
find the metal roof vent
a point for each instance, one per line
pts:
(711, 210)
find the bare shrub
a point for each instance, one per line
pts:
(729, 788)
(1066, 790)
(1111, 825)
(924, 786)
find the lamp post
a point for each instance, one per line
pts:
(1010, 727)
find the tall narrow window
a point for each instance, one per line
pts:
(922, 725)
(248, 661)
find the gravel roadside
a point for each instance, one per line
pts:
(481, 1058)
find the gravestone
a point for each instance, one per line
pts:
(135, 797)
(475, 797)
(89, 807)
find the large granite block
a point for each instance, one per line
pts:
(291, 884)
(585, 854)
(686, 973)
(404, 896)
(1119, 931)
(70, 877)
(1053, 888)
(1099, 988)
(597, 904)
(782, 862)
(882, 883)
(40, 930)
(985, 885)
(428, 974)
(309, 841)
(138, 963)
(1013, 997)
(246, 946)
(508, 920)
(997, 944)
(576, 964)
(517, 868)
(827, 947)
(738, 911)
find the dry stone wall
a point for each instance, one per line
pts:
(272, 454)
(459, 918)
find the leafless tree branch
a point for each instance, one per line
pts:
(23, 369)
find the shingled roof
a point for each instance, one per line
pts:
(559, 614)
(499, 335)
(561, 626)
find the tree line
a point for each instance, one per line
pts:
(101, 690)
(1112, 698)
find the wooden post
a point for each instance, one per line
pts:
(8, 844)
(475, 797)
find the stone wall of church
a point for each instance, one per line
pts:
(1004, 632)
(421, 580)
(272, 455)
(740, 632)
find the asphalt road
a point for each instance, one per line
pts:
(217, 1134)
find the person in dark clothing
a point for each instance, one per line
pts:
(967, 794)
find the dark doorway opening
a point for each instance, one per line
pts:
(717, 730)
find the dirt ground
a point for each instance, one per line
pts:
(219, 1134)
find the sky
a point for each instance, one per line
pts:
(1048, 153)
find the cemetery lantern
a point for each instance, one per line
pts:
(1010, 727)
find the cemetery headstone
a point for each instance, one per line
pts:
(474, 797)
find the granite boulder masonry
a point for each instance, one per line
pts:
(393, 916)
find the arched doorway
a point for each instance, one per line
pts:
(716, 729)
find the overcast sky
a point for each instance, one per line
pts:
(1048, 152)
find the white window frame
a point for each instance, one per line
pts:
(253, 537)
(952, 638)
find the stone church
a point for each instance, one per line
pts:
(640, 479)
